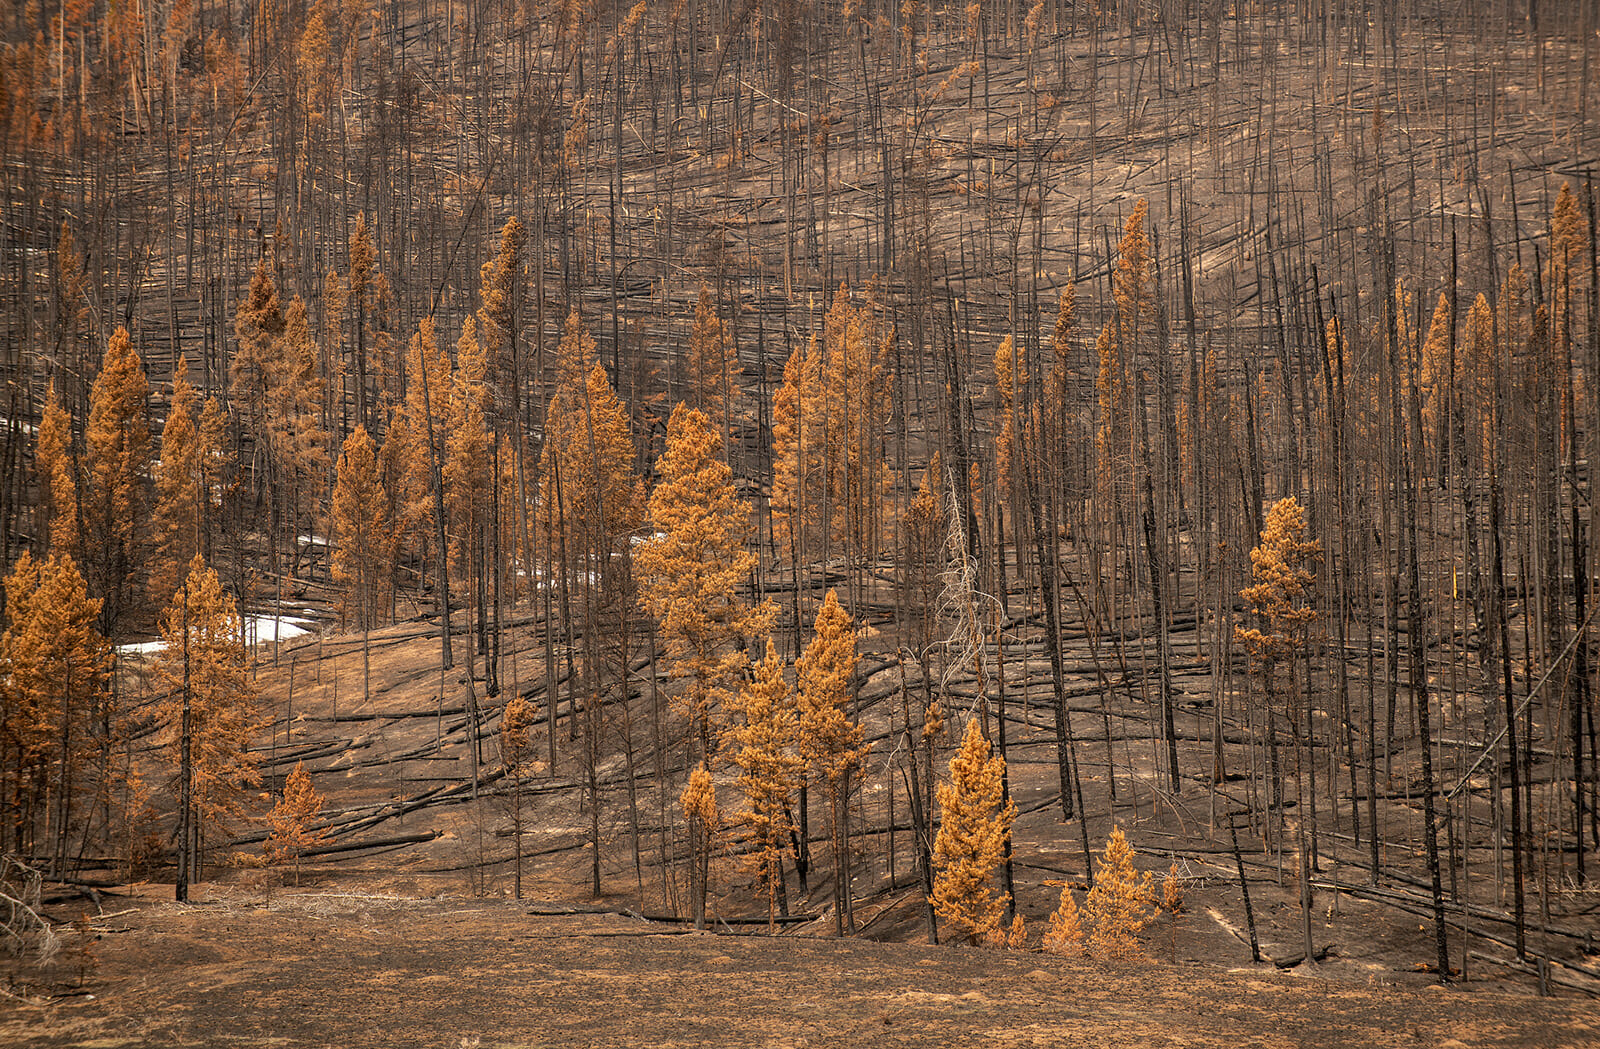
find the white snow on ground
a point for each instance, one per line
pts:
(262, 629)
(258, 630)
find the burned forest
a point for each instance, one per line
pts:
(1101, 480)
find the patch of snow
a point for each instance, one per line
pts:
(259, 630)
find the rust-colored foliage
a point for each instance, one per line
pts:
(1280, 596)
(829, 741)
(58, 491)
(292, 833)
(499, 295)
(117, 466)
(1131, 285)
(589, 493)
(467, 466)
(54, 678)
(516, 739)
(1065, 934)
(257, 357)
(1433, 370)
(363, 534)
(408, 459)
(1120, 904)
(829, 424)
(975, 825)
(699, 804)
(1111, 395)
(1010, 380)
(690, 572)
(769, 770)
(203, 656)
(294, 420)
(179, 500)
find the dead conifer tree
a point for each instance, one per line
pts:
(974, 830)
(1120, 904)
(292, 833)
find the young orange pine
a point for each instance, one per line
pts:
(1433, 372)
(769, 770)
(292, 834)
(699, 803)
(54, 677)
(830, 743)
(1065, 935)
(1010, 377)
(599, 499)
(1120, 904)
(203, 665)
(516, 750)
(58, 492)
(177, 516)
(363, 534)
(297, 439)
(466, 471)
(1281, 566)
(499, 286)
(973, 831)
(257, 356)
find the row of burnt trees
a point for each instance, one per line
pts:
(1472, 410)
(1504, 396)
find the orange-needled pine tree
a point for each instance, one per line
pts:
(365, 297)
(500, 298)
(1121, 902)
(298, 442)
(590, 496)
(116, 465)
(363, 533)
(468, 474)
(711, 370)
(415, 444)
(176, 522)
(54, 690)
(53, 467)
(975, 825)
(769, 770)
(291, 832)
(209, 713)
(830, 743)
(830, 421)
(363, 538)
(1282, 570)
(699, 804)
(692, 570)
(1010, 383)
(1065, 932)
(516, 753)
(257, 363)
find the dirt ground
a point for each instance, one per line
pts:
(403, 931)
(351, 969)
